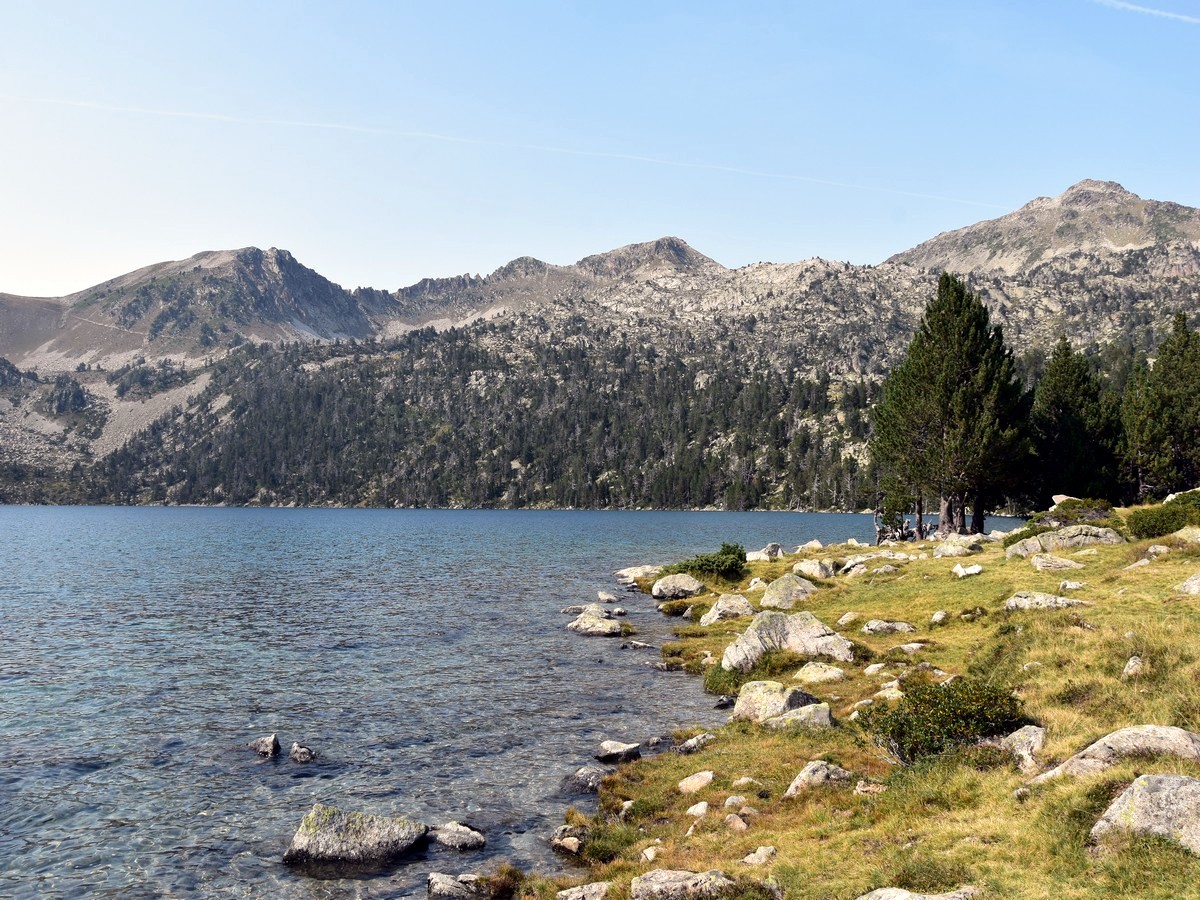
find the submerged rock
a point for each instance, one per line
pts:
(595, 621)
(266, 746)
(458, 836)
(585, 780)
(328, 835)
(301, 754)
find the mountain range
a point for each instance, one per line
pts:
(1096, 263)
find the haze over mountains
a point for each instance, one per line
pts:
(1096, 263)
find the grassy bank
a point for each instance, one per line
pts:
(951, 819)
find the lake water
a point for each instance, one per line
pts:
(421, 653)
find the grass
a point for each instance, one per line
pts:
(952, 819)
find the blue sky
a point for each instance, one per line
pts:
(385, 142)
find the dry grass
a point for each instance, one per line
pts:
(954, 819)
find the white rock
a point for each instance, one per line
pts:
(699, 809)
(1163, 805)
(814, 715)
(1070, 585)
(816, 773)
(666, 884)
(880, 626)
(874, 669)
(1045, 562)
(962, 571)
(728, 606)
(1191, 586)
(1137, 740)
(696, 782)
(1025, 744)
(939, 617)
(759, 857)
(819, 673)
(1037, 600)
(1133, 669)
(597, 890)
(963, 893)
(801, 633)
(846, 619)
(759, 701)
(814, 568)
(617, 752)
(1137, 565)
(675, 587)
(785, 591)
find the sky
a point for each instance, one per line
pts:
(386, 142)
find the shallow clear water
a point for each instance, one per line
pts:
(422, 653)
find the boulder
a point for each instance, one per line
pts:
(301, 754)
(949, 551)
(617, 752)
(963, 893)
(961, 571)
(1163, 805)
(696, 782)
(814, 544)
(728, 606)
(757, 556)
(1024, 744)
(880, 626)
(1037, 600)
(784, 591)
(266, 746)
(328, 835)
(597, 890)
(1068, 538)
(696, 744)
(814, 568)
(761, 700)
(630, 575)
(439, 886)
(458, 836)
(595, 621)
(759, 857)
(585, 780)
(574, 609)
(676, 587)
(815, 774)
(1137, 740)
(814, 715)
(606, 597)
(1046, 562)
(818, 673)
(973, 542)
(669, 884)
(801, 633)
(1191, 586)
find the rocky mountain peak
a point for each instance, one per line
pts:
(667, 255)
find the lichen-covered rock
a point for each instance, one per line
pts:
(801, 633)
(785, 591)
(963, 893)
(266, 746)
(676, 587)
(1037, 600)
(819, 673)
(617, 752)
(1024, 744)
(1064, 539)
(728, 606)
(328, 835)
(881, 626)
(945, 551)
(697, 782)
(761, 700)
(814, 568)
(673, 884)
(597, 890)
(696, 810)
(1163, 805)
(439, 886)
(1137, 740)
(816, 774)
(814, 715)
(585, 780)
(1046, 562)
(939, 617)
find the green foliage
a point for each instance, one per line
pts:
(1027, 532)
(932, 718)
(729, 563)
(952, 420)
(605, 842)
(140, 380)
(774, 662)
(1074, 511)
(1155, 521)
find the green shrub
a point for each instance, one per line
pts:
(933, 718)
(1189, 501)
(729, 563)
(1155, 521)
(1074, 512)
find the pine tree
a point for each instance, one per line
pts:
(952, 418)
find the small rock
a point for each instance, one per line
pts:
(855, 571)
(847, 619)
(585, 780)
(963, 893)
(568, 839)
(1137, 565)
(650, 853)
(595, 621)
(1157, 549)
(939, 617)
(814, 715)
(821, 569)
(890, 694)
(266, 746)
(440, 886)
(736, 823)
(301, 754)
(864, 788)
(961, 571)
(617, 752)
(629, 576)
(666, 884)
(734, 802)
(874, 669)
(1133, 669)
(458, 836)
(747, 781)
(1025, 744)
(636, 645)
(606, 597)
(597, 890)
(913, 648)
(1070, 585)
(814, 544)
(696, 744)
(696, 782)
(756, 584)
(759, 857)
(952, 550)
(880, 626)
(818, 673)
(573, 610)
(698, 809)
(817, 773)
(1044, 562)
(725, 701)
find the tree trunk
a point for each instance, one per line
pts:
(945, 517)
(920, 511)
(959, 505)
(977, 515)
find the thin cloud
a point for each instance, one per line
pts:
(485, 142)
(1149, 11)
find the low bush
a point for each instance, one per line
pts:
(1027, 532)
(1155, 521)
(1073, 511)
(933, 718)
(729, 563)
